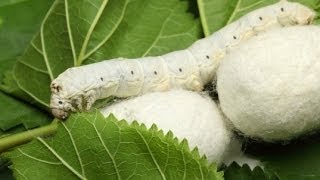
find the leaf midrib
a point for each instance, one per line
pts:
(70, 33)
(89, 33)
(45, 57)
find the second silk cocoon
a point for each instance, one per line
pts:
(187, 114)
(269, 87)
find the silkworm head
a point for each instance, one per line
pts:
(59, 106)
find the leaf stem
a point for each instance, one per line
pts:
(24, 137)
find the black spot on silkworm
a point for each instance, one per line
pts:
(155, 72)
(282, 9)
(180, 69)
(57, 88)
(260, 18)
(207, 57)
(132, 72)
(234, 37)
(101, 78)
(60, 102)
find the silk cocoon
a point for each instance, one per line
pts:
(187, 114)
(269, 87)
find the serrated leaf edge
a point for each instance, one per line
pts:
(181, 144)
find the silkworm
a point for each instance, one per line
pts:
(79, 87)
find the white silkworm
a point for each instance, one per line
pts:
(191, 69)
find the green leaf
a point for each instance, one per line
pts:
(164, 26)
(19, 22)
(17, 112)
(236, 172)
(10, 2)
(295, 161)
(89, 146)
(10, 86)
(5, 172)
(83, 31)
(216, 14)
(16, 32)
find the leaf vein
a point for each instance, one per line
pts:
(32, 67)
(151, 154)
(160, 32)
(115, 27)
(21, 173)
(105, 147)
(89, 33)
(29, 93)
(75, 148)
(251, 6)
(36, 48)
(45, 56)
(230, 19)
(184, 165)
(70, 33)
(203, 18)
(37, 159)
(93, 4)
(60, 158)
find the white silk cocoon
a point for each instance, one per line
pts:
(187, 114)
(269, 87)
